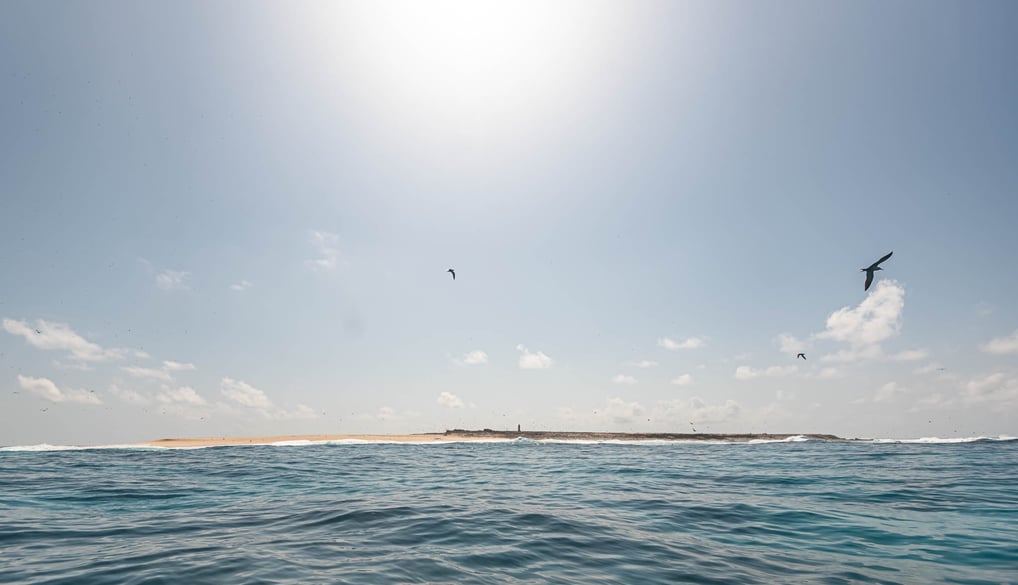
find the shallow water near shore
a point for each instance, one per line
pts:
(513, 512)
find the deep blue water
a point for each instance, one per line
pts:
(520, 512)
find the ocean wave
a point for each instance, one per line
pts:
(43, 447)
(945, 440)
(792, 439)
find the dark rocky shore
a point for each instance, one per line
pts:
(595, 436)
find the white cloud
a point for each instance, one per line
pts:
(865, 327)
(997, 386)
(81, 367)
(1002, 345)
(171, 366)
(184, 395)
(127, 395)
(888, 392)
(790, 345)
(935, 400)
(623, 379)
(450, 400)
(683, 380)
(46, 389)
(620, 411)
(326, 246)
(241, 286)
(162, 373)
(474, 358)
(389, 414)
(909, 355)
(303, 411)
(59, 336)
(748, 373)
(671, 344)
(533, 360)
(696, 410)
(642, 364)
(245, 394)
(139, 372)
(173, 280)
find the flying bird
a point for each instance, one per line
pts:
(869, 270)
(801, 355)
(452, 272)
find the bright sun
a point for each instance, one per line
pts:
(469, 67)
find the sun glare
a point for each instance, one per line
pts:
(468, 68)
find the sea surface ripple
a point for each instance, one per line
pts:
(518, 512)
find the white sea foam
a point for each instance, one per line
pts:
(48, 447)
(944, 440)
(792, 439)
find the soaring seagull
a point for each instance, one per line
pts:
(452, 272)
(869, 270)
(801, 355)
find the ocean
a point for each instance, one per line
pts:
(513, 512)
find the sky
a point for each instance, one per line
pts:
(223, 220)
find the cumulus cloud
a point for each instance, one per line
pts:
(671, 344)
(1002, 345)
(46, 389)
(642, 364)
(139, 372)
(790, 345)
(241, 286)
(533, 360)
(389, 414)
(682, 380)
(474, 358)
(997, 387)
(877, 318)
(888, 392)
(450, 400)
(326, 247)
(163, 373)
(909, 355)
(181, 395)
(935, 400)
(696, 410)
(623, 379)
(60, 336)
(173, 280)
(748, 373)
(244, 394)
(676, 413)
(620, 411)
(128, 395)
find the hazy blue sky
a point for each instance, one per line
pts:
(236, 218)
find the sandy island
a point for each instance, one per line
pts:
(460, 435)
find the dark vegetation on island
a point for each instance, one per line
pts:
(598, 436)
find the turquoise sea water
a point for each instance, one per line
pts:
(516, 512)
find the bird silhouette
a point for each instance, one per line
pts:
(452, 272)
(869, 270)
(801, 355)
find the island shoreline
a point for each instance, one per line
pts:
(487, 435)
